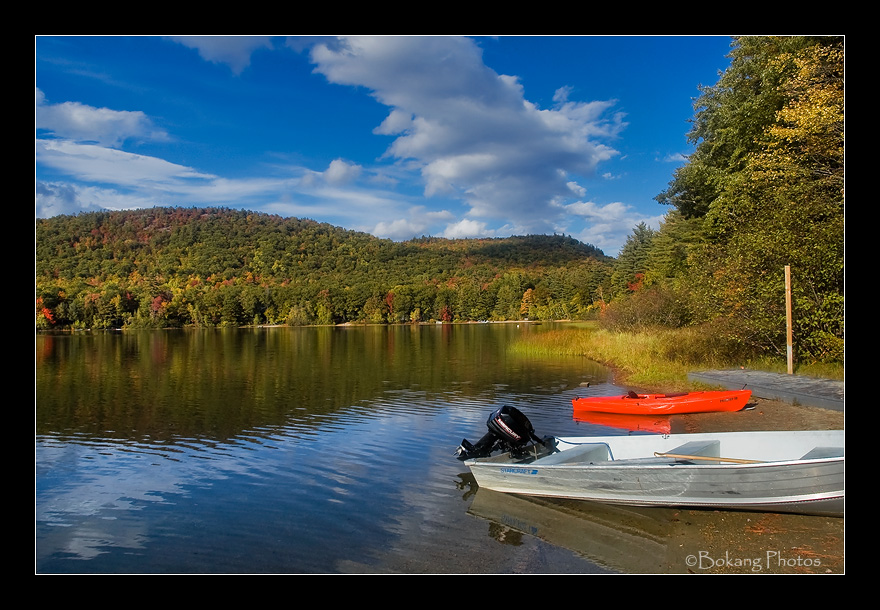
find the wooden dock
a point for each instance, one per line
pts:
(794, 389)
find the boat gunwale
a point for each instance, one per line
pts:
(572, 442)
(643, 463)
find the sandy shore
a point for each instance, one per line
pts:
(785, 544)
(761, 415)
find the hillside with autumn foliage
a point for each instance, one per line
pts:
(163, 267)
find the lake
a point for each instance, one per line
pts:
(311, 451)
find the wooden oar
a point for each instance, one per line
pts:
(706, 458)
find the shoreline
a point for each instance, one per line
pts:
(761, 414)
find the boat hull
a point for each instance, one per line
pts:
(809, 486)
(665, 404)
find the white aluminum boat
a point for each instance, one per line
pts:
(789, 471)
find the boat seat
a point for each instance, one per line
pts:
(590, 452)
(700, 448)
(823, 452)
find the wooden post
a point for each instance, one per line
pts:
(789, 346)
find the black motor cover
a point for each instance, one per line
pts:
(511, 425)
(509, 430)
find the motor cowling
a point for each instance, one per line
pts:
(509, 430)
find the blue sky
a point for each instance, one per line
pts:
(395, 136)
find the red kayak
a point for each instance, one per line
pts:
(665, 404)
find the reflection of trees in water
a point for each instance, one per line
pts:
(217, 383)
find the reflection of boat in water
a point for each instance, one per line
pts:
(658, 424)
(642, 540)
(664, 404)
(615, 538)
(790, 471)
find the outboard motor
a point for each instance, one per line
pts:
(509, 430)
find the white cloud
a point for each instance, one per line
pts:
(74, 121)
(469, 129)
(234, 51)
(106, 178)
(399, 229)
(396, 122)
(467, 228)
(609, 225)
(417, 221)
(591, 210)
(101, 164)
(341, 172)
(577, 189)
(54, 198)
(676, 158)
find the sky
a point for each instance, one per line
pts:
(397, 136)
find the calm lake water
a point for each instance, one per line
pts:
(309, 451)
(283, 450)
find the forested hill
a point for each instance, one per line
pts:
(217, 266)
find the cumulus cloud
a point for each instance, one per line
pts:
(609, 225)
(84, 143)
(414, 222)
(341, 172)
(399, 229)
(469, 129)
(338, 173)
(55, 199)
(233, 51)
(467, 228)
(78, 122)
(591, 210)
(577, 189)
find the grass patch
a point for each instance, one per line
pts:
(657, 360)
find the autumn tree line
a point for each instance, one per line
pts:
(162, 267)
(762, 190)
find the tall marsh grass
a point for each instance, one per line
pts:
(657, 359)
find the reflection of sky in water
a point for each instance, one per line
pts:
(90, 488)
(367, 472)
(87, 489)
